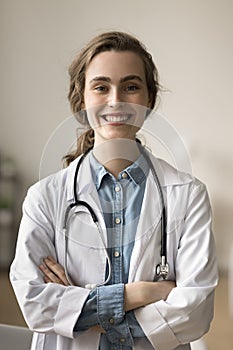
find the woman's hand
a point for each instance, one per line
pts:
(53, 272)
(142, 293)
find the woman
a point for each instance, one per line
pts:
(95, 287)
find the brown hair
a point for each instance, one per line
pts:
(116, 41)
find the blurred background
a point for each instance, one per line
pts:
(191, 43)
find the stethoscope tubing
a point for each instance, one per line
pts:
(163, 208)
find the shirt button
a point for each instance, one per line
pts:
(118, 220)
(124, 176)
(111, 320)
(116, 254)
(117, 188)
(122, 340)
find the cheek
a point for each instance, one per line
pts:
(93, 112)
(92, 99)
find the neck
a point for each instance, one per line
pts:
(116, 154)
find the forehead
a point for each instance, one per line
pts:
(116, 64)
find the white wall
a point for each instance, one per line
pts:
(191, 42)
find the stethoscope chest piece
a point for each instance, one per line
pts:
(162, 269)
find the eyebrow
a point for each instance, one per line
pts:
(122, 80)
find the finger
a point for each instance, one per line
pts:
(47, 280)
(57, 269)
(49, 275)
(51, 258)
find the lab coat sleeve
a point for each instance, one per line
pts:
(47, 307)
(188, 310)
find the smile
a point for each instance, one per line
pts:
(116, 118)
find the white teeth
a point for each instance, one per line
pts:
(116, 119)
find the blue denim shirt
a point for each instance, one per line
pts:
(121, 201)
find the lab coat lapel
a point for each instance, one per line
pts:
(92, 198)
(86, 191)
(148, 233)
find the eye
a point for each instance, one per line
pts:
(101, 88)
(131, 87)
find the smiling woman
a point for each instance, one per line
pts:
(91, 270)
(110, 43)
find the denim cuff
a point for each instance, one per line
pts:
(134, 326)
(111, 314)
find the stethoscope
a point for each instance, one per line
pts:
(161, 270)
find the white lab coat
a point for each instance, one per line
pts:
(51, 310)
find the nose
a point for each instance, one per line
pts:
(114, 98)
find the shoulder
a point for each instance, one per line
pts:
(170, 176)
(181, 190)
(54, 185)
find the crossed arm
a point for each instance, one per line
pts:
(136, 294)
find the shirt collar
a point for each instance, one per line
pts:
(137, 171)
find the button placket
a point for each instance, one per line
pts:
(117, 233)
